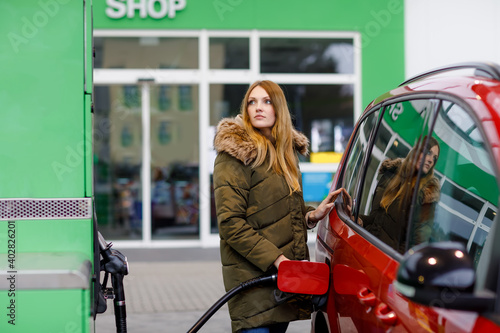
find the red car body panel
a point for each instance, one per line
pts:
(346, 246)
(362, 296)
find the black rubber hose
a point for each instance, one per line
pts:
(119, 303)
(243, 286)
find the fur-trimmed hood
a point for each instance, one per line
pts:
(232, 138)
(430, 191)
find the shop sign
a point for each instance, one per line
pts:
(156, 9)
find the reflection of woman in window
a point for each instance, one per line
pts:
(393, 195)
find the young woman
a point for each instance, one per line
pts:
(261, 213)
(390, 211)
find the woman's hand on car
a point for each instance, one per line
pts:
(348, 208)
(324, 207)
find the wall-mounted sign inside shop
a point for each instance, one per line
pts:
(156, 9)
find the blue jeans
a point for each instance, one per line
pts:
(276, 328)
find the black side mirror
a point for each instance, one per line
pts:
(441, 275)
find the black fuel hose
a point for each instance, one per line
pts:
(241, 287)
(119, 303)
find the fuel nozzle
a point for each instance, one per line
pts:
(114, 262)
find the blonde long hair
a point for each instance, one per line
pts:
(281, 152)
(401, 185)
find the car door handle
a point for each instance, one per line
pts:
(366, 297)
(385, 314)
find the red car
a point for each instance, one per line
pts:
(413, 249)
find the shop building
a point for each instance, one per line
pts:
(166, 72)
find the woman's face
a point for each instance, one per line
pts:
(430, 158)
(261, 111)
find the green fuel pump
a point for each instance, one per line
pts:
(49, 245)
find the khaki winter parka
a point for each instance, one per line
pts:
(258, 221)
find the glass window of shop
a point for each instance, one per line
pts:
(306, 55)
(229, 53)
(148, 158)
(146, 52)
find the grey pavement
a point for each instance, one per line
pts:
(168, 290)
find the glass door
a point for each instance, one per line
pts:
(146, 163)
(174, 144)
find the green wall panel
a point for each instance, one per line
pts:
(50, 236)
(41, 90)
(58, 236)
(46, 311)
(43, 149)
(88, 146)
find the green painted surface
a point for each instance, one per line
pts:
(50, 236)
(53, 309)
(41, 89)
(88, 48)
(88, 100)
(380, 23)
(58, 236)
(89, 167)
(45, 311)
(46, 148)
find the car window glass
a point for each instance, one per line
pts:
(352, 171)
(390, 179)
(467, 204)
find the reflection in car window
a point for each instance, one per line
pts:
(352, 172)
(467, 206)
(391, 176)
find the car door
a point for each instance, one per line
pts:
(343, 312)
(359, 256)
(463, 209)
(402, 132)
(465, 212)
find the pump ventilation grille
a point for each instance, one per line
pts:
(45, 209)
